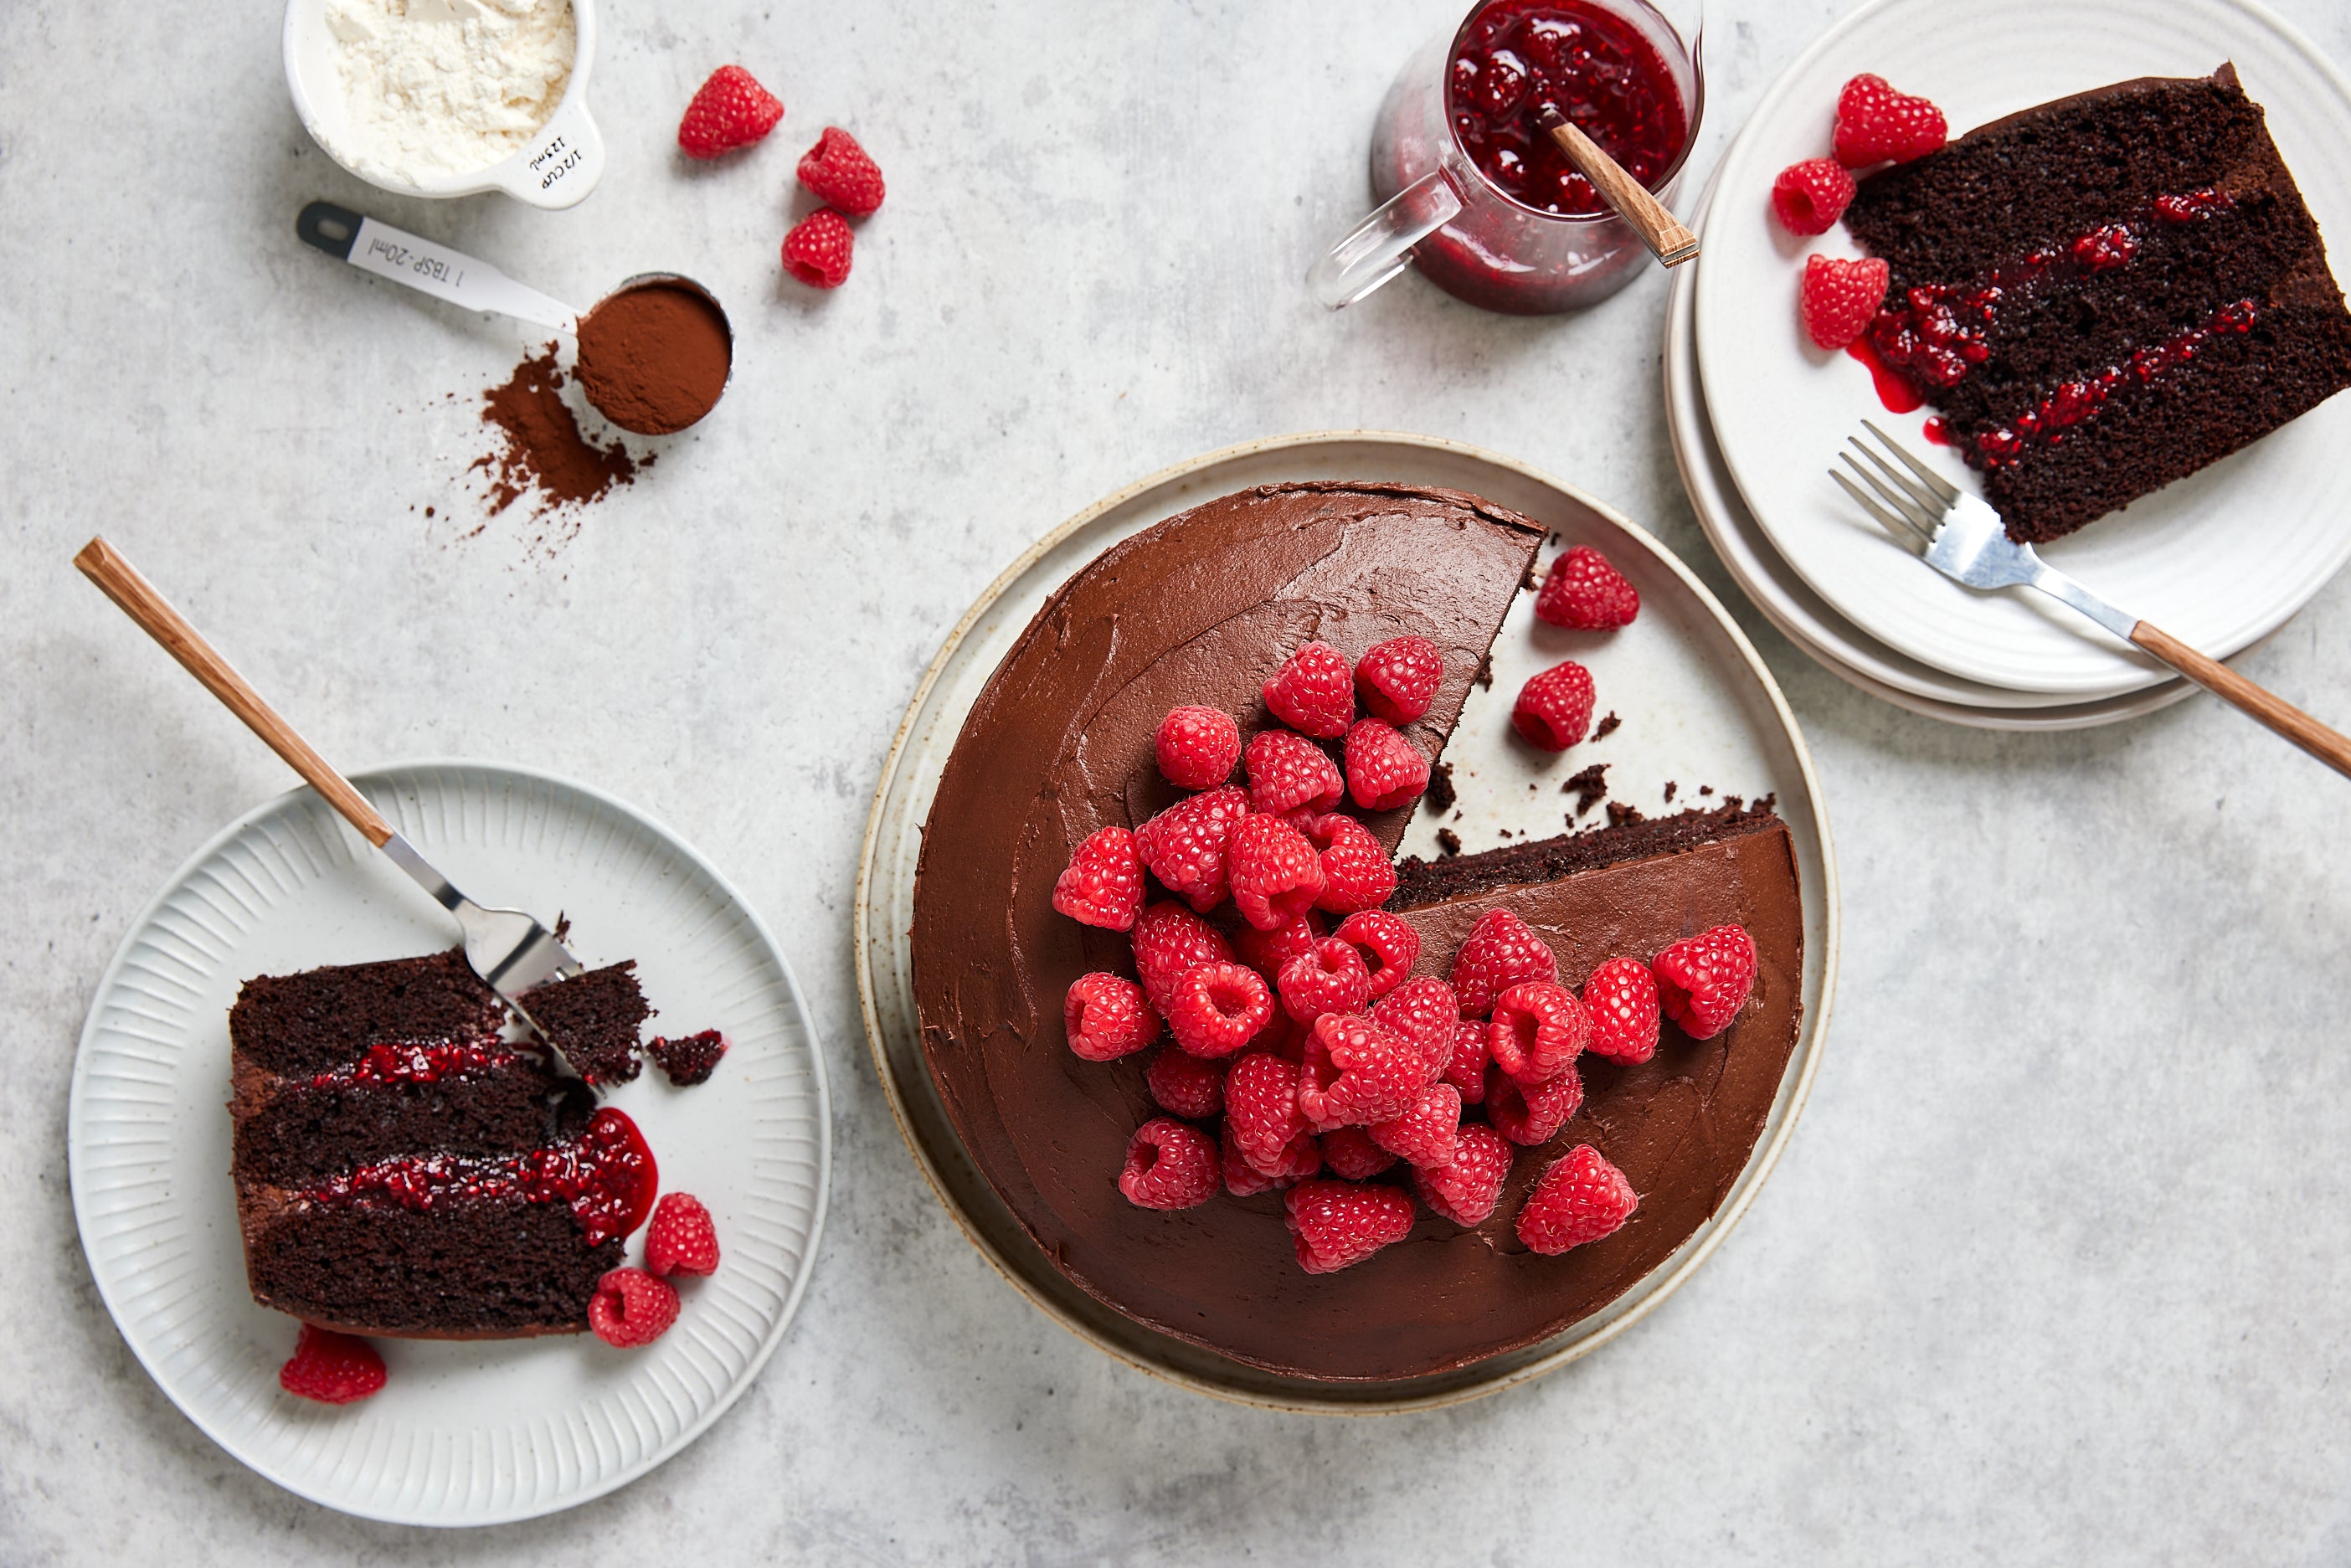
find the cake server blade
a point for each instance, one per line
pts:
(508, 949)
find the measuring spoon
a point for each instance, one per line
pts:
(431, 267)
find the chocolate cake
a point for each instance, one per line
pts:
(594, 1018)
(403, 1169)
(2105, 294)
(1201, 609)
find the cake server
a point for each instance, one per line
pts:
(506, 947)
(1962, 537)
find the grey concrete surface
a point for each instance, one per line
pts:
(2056, 1269)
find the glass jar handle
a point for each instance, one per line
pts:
(1382, 244)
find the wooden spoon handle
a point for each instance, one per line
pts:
(1663, 233)
(136, 597)
(2328, 746)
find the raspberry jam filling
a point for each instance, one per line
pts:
(413, 1062)
(2075, 401)
(1518, 58)
(1937, 333)
(606, 1174)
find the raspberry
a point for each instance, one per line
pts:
(1384, 771)
(1170, 941)
(1581, 1197)
(1389, 943)
(1349, 1154)
(1356, 872)
(1339, 1224)
(840, 175)
(680, 1238)
(729, 111)
(819, 249)
(1466, 1190)
(1554, 707)
(1103, 884)
(1467, 1070)
(1397, 678)
(1875, 124)
(1216, 1009)
(1704, 980)
(1197, 747)
(1426, 1133)
(1810, 196)
(690, 1059)
(1267, 951)
(1106, 1017)
(1501, 951)
(1314, 692)
(1425, 1010)
(1276, 875)
(1532, 1113)
(1621, 998)
(1838, 298)
(1300, 1158)
(331, 1368)
(1585, 592)
(1184, 1085)
(631, 1308)
(1288, 771)
(1186, 846)
(1358, 1071)
(1538, 1032)
(1328, 977)
(1261, 1111)
(1170, 1165)
(1282, 1035)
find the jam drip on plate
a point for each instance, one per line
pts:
(1518, 58)
(2076, 401)
(606, 1175)
(417, 1062)
(1936, 333)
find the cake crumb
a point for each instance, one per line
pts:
(1607, 726)
(1670, 788)
(1486, 672)
(1706, 788)
(1587, 787)
(1505, 833)
(1620, 813)
(1440, 794)
(1449, 843)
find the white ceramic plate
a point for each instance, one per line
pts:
(471, 1432)
(1697, 708)
(2220, 559)
(1835, 642)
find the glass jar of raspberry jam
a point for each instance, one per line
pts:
(1476, 193)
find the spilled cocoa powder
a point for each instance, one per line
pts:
(540, 452)
(654, 359)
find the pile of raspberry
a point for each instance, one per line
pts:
(732, 110)
(1874, 125)
(1304, 1054)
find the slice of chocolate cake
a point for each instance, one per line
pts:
(594, 1020)
(2105, 294)
(403, 1169)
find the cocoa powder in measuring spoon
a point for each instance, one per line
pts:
(654, 356)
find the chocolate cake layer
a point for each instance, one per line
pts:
(594, 1018)
(292, 1131)
(296, 1025)
(2113, 291)
(1421, 882)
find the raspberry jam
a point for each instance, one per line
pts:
(607, 1174)
(1515, 58)
(411, 1061)
(2076, 401)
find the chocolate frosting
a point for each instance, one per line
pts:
(1201, 609)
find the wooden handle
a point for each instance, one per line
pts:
(136, 597)
(2328, 746)
(1663, 233)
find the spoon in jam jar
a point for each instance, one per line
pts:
(655, 354)
(1668, 239)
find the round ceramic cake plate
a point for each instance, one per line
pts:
(1698, 707)
(462, 1434)
(1801, 615)
(2219, 558)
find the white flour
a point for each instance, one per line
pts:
(444, 87)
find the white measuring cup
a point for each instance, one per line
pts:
(557, 168)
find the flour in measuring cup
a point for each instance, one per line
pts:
(434, 87)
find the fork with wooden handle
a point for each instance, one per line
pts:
(1962, 536)
(506, 947)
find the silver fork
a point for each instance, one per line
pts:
(1962, 536)
(506, 947)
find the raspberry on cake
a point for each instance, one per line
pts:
(1186, 846)
(1466, 1190)
(1501, 951)
(1103, 884)
(1532, 1113)
(1383, 770)
(1389, 945)
(1107, 1016)
(1358, 1071)
(1338, 1224)
(1702, 982)
(1288, 771)
(1358, 874)
(1538, 1029)
(1170, 1165)
(1267, 951)
(1314, 692)
(1170, 941)
(1198, 747)
(1184, 1085)
(1215, 1009)
(1276, 875)
(1425, 1010)
(1425, 1135)
(1349, 1154)
(1396, 679)
(1621, 998)
(1580, 1200)
(1328, 977)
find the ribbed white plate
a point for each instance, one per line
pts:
(462, 1434)
(2220, 559)
(1803, 616)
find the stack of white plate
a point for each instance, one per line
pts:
(1757, 414)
